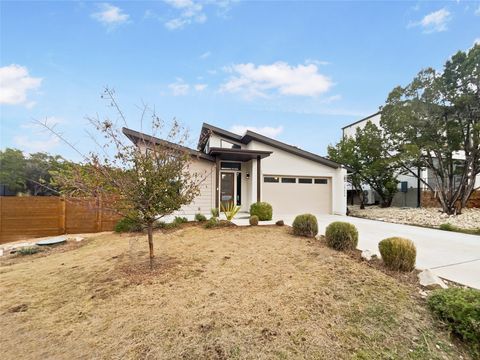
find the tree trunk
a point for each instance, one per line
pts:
(150, 244)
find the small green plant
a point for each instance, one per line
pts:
(262, 209)
(230, 210)
(127, 224)
(305, 225)
(341, 236)
(253, 220)
(200, 217)
(215, 212)
(450, 227)
(398, 254)
(180, 220)
(280, 223)
(459, 309)
(28, 250)
(166, 226)
(211, 223)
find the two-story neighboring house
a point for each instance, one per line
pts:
(409, 186)
(252, 167)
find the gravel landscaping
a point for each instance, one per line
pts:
(431, 217)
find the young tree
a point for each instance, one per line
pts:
(144, 182)
(12, 170)
(434, 123)
(367, 155)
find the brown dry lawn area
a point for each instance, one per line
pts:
(254, 292)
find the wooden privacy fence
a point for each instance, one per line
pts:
(37, 216)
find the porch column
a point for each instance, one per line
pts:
(259, 176)
(217, 186)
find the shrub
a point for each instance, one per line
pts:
(450, 227)
(211, 223)
(28, 250)
(166, 226)
(459, 309)
(215, 212)
(180, 219)
(262, 209)
(280, 223)
(305, 225)
(398, 254)
(341, 236)
(230, 210)
(253, 220)
(127, 225)
(200, 217)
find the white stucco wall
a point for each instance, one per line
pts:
(350, 130)
(281, 162)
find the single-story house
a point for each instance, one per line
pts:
(252, 167)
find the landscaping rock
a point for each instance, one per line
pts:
(79, 238)
(431, 281)
(1, 252)
(431, 217)
(367, 255)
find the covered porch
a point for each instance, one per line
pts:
(238, 176)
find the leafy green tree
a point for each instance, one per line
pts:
(367, 155)
(12, 170)
(143, 182)
(38, 173)
(434, 123)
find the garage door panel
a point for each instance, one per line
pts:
(293, 198)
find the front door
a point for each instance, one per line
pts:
(227, 188)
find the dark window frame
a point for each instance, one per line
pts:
(275, 179)
(305, 180)
(233, 168)
(288, 180)
(320, 181)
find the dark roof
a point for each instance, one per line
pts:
(238, 154)
(250, 135)
(135, 136)
(361, 120)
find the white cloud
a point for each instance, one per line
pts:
(200, 87)
(477, 12)
(190, 11)
(205, 55)
(15, 82)
(110, 15)
(179, 87)
(31, 145)
(433, 22)
(476, 41)
(266, 130)
(280, 77)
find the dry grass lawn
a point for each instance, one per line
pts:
(254, 292)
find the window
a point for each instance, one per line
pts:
(287, 180)
(321, 181)
(239, 188)
(270, 179)
(304, 180)
(228, 165)
(228, 145)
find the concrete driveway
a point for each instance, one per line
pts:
(452, 256)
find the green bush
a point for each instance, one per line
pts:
(200, 217)
(261, 209)
(341, 236)
(305, 225)
(211, 223)
(450, 227)
(398, 254)
(28, 250)
(215, 212)
(127, 225)
(253, 220)
(180, 219)
(459, 309)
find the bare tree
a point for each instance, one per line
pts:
(143, 183)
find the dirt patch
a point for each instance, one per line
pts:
(239, 292)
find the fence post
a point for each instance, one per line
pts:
(99, 207)
(62, 216)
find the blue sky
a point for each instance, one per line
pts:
(298, 71)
